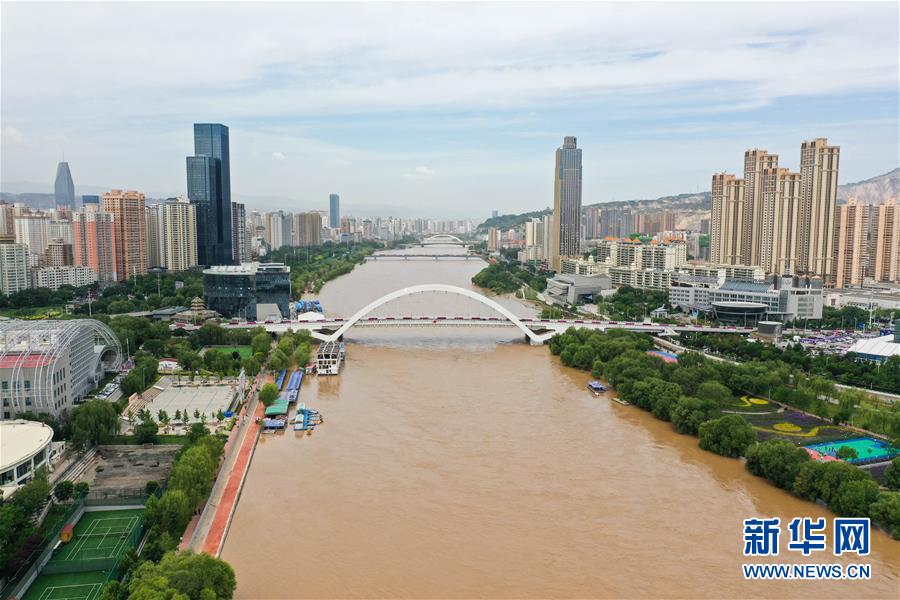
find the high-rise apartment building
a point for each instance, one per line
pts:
(7, 223)
(60, 228)
(617, 222)
(334, 211)
(59, 253)
(13, 268)
(493, 239)
(209, 187)
(156, 243)
(179, 218)
(591, 222)
(786, 223)
(780, 201)
(308, 229)
(885, 241)
(851, 244)
(566, 233)
(819, 181)
(64, 187)
(130, 230)
(279, 229)
(94, 242)
(32, 230)
(240, 245)
(726, 233)
(755, 162)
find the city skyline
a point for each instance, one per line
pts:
(446, 138)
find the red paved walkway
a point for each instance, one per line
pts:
(225, 509)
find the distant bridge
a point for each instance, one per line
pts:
(537, 331)
(443, 239)
(382, 256)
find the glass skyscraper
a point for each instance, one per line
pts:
(334, 211)
(64, 187)
(209, 187)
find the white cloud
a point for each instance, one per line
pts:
(420, 173)
(13, 136)
(515, 74)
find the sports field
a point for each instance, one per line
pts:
(244, 351)
(99, 535)
(867, 449)
(67, 586)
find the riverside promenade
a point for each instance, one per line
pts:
(207, 533)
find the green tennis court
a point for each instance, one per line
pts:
(67, 586)
(100, 535)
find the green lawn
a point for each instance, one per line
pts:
(244, 351)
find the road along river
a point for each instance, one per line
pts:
(459, 463)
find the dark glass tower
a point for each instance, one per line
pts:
(334, 211)
(64, 187)
(209, 187)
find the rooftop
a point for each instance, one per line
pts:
(733, 285)
(27, 360)
(883, 346)
(248, 268)
(20, 439)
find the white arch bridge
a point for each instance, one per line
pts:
(443, 239)
(536, 331)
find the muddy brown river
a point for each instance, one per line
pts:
(463, 463)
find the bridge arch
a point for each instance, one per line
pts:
(435, 287)
(443, 238)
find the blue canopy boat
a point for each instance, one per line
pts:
(596, 387)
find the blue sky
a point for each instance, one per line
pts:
(443, 109)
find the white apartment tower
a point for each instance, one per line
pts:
(180, 233)
(785, 222)
(726, 228)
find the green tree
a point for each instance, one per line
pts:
(688, 413)
(729, 435)
(93, 421)
(277, 360)
(261, 342)
(146, 432)
(886, 512)
(821, 481)
(268, 394)
(853, 498)
(776, 460)
(82, 488)
(151, 487)
(196, 432)
(303, 354)
(251, 366)
(64, 490)
(892, 475)
(170, 512)
(183, 575)
(714, 391)
(846, 453)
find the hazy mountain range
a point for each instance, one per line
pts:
(869, 191)
(693, 207)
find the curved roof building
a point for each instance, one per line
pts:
(48, 366)
(747, 314)
(24, 447)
